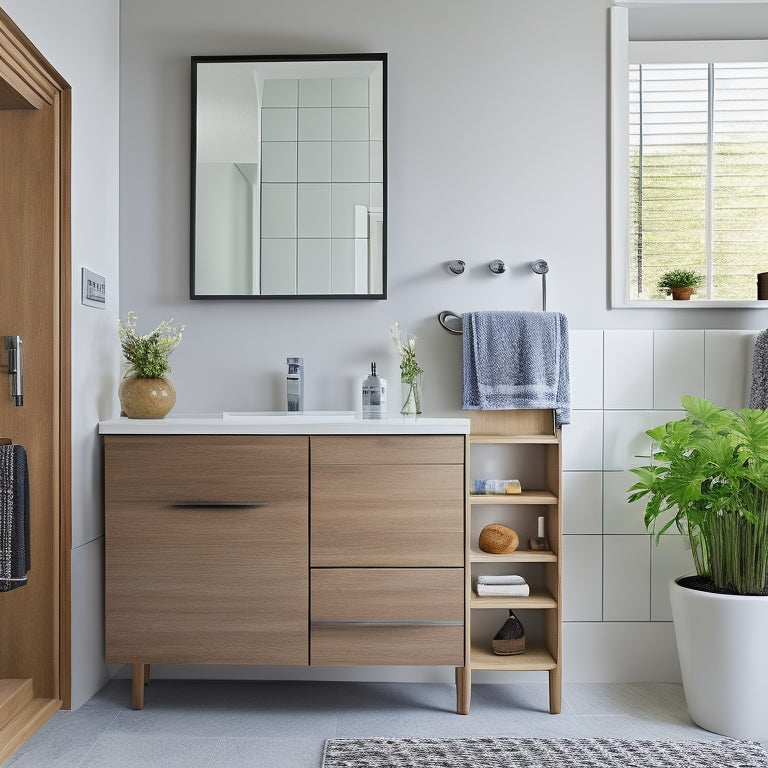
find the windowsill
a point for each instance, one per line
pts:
(692, 304)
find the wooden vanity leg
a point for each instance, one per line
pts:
(463, 689)
(138, 685)
(146, 674)
(555, 690)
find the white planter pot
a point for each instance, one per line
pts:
(722, 642)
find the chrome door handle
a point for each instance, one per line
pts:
(15, 368)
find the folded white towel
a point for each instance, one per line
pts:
(507, 578)
(503, 590)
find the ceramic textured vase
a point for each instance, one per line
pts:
(146, 398)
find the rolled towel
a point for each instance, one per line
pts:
(507, 578)
(503, 590)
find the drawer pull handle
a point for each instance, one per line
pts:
(218, 505)
(387, 623)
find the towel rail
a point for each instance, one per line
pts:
(452, 322)
(6, 441)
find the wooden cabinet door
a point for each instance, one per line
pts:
(388, 501)
(206, 563)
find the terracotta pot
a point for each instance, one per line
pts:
(681, 294)
(146, 398)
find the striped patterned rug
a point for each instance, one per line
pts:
(541, 753)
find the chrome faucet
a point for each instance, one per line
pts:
(294, 384)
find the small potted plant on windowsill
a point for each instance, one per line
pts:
(709, 478)
(145, 392)
(681, 283)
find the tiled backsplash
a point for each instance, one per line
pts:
(622, 383)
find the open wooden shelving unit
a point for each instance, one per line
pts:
(523, 430)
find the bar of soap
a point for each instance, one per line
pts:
(497, 539)
(488, 486)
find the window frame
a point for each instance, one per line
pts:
(624, 52)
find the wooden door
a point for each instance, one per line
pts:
(34, 303)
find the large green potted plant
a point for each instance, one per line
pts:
(709, 478)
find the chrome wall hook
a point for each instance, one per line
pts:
(456, 267)
(540, 267)
(497, 266)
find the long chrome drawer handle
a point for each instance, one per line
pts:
(218, 504)
(387, 623)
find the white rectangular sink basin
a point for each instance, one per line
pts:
(274, 417)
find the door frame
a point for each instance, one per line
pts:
(28, 81)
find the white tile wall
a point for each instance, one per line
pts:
(626, 573)
(728, 367)
(625, 443)
(619, 516)
(669, 559)
(628, 369)
(582, 578)
(582, 502)
(615, 577)
(586, 369)
(678, 367)
(582, 449)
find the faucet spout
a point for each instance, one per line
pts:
(294, 385)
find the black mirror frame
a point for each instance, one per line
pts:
(195, 60)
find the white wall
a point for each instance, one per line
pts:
(80, 39)
(497, 149)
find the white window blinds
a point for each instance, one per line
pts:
(698, 175)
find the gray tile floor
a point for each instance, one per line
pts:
(225, 724)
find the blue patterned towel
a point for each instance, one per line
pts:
(516, 360)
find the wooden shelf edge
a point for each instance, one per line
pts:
(518, 556)
(484, 439)
(525, 497)
(533, 659)
(539, 599)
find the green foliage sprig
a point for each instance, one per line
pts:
(147, 355)
(680, 278)
(709, 478)
(409, 366)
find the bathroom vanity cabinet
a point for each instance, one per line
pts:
(217, 544)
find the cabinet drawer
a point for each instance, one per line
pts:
(399, 515)
(214, 586)
(208, 468)
(382, 645)
(387, 449)
(387, 594)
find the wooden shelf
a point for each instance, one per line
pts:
(538, 599)
(518, 556)
(537, 462)
(526, 497)
(533, 659)
(513, 439)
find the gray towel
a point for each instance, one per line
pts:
(14, 517)
(758, 395)
(517, 360)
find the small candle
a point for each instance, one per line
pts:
(541, 527)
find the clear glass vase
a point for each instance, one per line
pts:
(411, 397)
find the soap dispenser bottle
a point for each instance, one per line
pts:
(374, 395)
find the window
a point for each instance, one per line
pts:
(690, 167)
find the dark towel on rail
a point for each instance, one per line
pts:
(14, 517)
(758, 394)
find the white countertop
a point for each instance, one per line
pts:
(276, 423)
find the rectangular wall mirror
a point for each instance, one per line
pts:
(289, 177)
